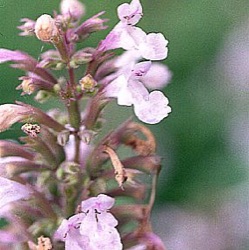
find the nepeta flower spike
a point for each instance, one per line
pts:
(57, 182)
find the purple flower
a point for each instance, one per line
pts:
(93, 229)
(153, 109)
(69, 232)
(152, 46)
(129, 90)
(130, 14)
(157, 77)
(12, 191)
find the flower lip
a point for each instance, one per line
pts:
(130, 14)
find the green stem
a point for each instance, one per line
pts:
(74, 114)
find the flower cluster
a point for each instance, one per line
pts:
(63, 187)
(128, 84)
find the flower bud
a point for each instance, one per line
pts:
(43, 243)
(46, 29)
(87, 83)
(63, 137)
(91, 25)
(42, 96)
(27, 85)
(32, 82)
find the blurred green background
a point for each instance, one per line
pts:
(202, 166)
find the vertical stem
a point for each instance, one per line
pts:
(74, 114)
(75, 121)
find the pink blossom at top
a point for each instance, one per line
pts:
(130, 14)
(72, 8)
(12, 191)
(152, 46)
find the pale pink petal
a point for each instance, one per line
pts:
(72, 8)
(10, 238)
(154, 109)
(138, 92)
(10, 114)
(155, 47)
(101, 203)
(12, 191)
(130, 14)
(9, 55)
(118, 89)
(62, 230)
(141, 69)
(157, 77)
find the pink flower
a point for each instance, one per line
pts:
(153, 109)
(157, 77)
(129, 90)
(93, 229)
(69, 232)
(152, 46)
(130, 14)
(12, 191)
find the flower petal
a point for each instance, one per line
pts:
(12, 191)
(154, 109)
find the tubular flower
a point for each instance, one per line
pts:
(93, 228)
(63, 184)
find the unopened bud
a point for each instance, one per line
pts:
(91, 25)
(42, 96)
(27, 85)
(43, 244)
(88, 83)
(46, 29)
(63, 137)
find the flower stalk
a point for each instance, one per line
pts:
(63, 182)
